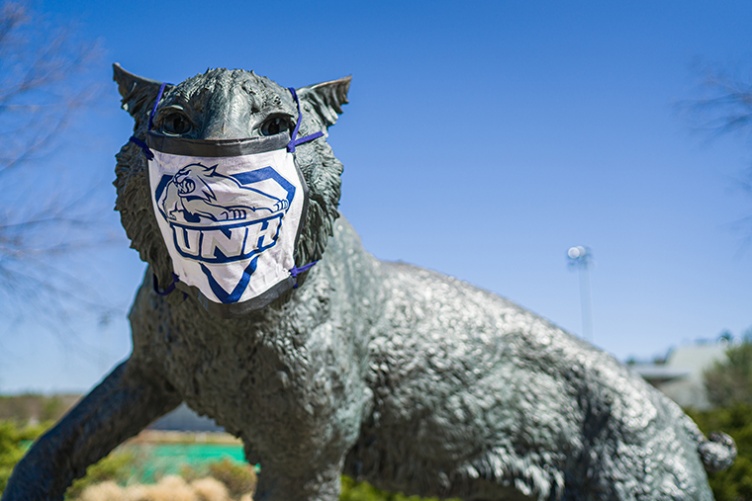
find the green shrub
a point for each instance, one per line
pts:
(729, 382)
(239, 478)
(734, 484)
(363, 491)
(10, 451)
(117, 467)
(14, 440)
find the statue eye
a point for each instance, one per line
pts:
(274, 125)
(176, 123)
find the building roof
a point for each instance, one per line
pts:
(654, 372)
(681, 377)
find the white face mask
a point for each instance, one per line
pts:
(230, 212)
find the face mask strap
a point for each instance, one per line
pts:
(295, 271)
(167, 290)
(144, 148)
(133, 139)
(156, 103)
(294, 140)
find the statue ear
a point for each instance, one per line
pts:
(326, 98)
(138, 93)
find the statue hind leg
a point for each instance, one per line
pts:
(124, 403)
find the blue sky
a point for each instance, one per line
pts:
(482, 140)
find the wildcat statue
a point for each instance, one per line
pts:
(339, 362)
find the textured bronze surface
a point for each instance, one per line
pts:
(412, 380)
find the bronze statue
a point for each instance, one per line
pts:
(414, 381)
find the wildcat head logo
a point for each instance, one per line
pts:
(217, 218)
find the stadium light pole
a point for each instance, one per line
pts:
(580, 257)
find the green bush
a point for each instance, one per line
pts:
(10, 451)
(118, 467)
(239, 478)
(14, 440)
(734, 484)
(363, 491)
(729, 382)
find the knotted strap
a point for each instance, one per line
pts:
(294, 139)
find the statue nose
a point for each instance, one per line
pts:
(225, 128)
(228, 117)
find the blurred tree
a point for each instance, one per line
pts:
(726, 336)
(727, 106)
(43, 216)
(730, 382)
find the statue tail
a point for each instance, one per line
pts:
(717, 452)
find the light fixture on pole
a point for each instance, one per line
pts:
(581, 257)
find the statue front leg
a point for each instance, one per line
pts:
(123, 404)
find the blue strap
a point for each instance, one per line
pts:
(141, 144)
(167, 289)
(295, 271)
(294, 139)
(144, 148)
(156, 102)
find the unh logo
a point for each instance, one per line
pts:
(217, 218)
